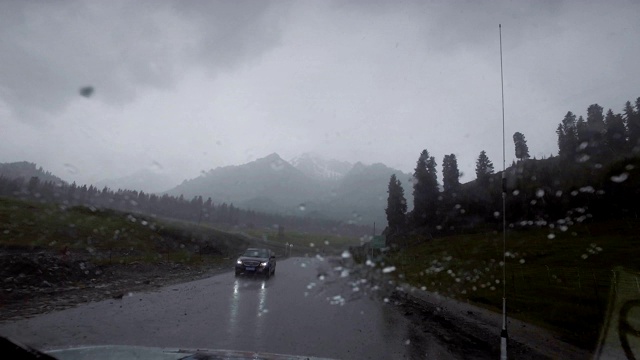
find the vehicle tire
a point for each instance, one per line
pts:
(267, 275)
(237, 274)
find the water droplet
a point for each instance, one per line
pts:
(516, 192)
(302, 207)
(389, 269)
(583, 145)
(584, 256)
(86, 91)
(540, 193)
(71, 169)
(346, 254)
(370, 263)
(277, 165)
(496, 214)
(521, 261)
(155, 166)
(620, 178)
(551, 236)
(629, 167)
(312, 244)
(583, 158)
(407, 342)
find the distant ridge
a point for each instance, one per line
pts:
(27, 170)
(314, 187)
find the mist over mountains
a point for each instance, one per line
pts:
(306, 186)
(146, 180)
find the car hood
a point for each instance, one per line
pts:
(117, 352)
(243, 258)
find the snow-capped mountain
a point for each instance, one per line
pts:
(317, 167)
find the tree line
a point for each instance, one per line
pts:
(197, 209)
(593, 174)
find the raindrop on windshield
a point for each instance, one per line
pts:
(302, 207)
(346, 254)
(389, 269)
(583, 158)
(620, 178)
(155, 166)
(277, 165)
(71, 169)
(540, 193)
(86, 91)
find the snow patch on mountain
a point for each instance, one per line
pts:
(317, 167)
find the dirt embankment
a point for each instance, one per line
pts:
(37, 282)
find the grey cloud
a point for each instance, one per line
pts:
(52, 49)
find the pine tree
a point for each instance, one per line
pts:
(450, 173)
(484, 168)
(616, 133)
(632, 118)
(595, 129)
(425, 190)
(396, 205)
(522, 150)
(568, 136)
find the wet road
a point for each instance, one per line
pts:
(295, 312)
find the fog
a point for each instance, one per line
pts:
(182, 87)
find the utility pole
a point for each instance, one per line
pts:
(504, 336)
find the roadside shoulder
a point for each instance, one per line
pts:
(531, 336)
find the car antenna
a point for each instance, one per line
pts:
(503, 333)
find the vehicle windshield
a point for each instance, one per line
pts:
(343, 179)
(256, 253)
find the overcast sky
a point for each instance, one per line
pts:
(186, 86)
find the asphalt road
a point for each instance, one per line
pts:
(308, 308)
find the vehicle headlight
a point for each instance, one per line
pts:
(263, 263)
(239, 262)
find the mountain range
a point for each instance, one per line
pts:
(306, 186)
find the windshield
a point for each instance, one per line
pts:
(346, 179)
(256, 253)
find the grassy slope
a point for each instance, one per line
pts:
(549, 282)
(109, 236)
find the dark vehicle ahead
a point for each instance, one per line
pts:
(256, 261)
